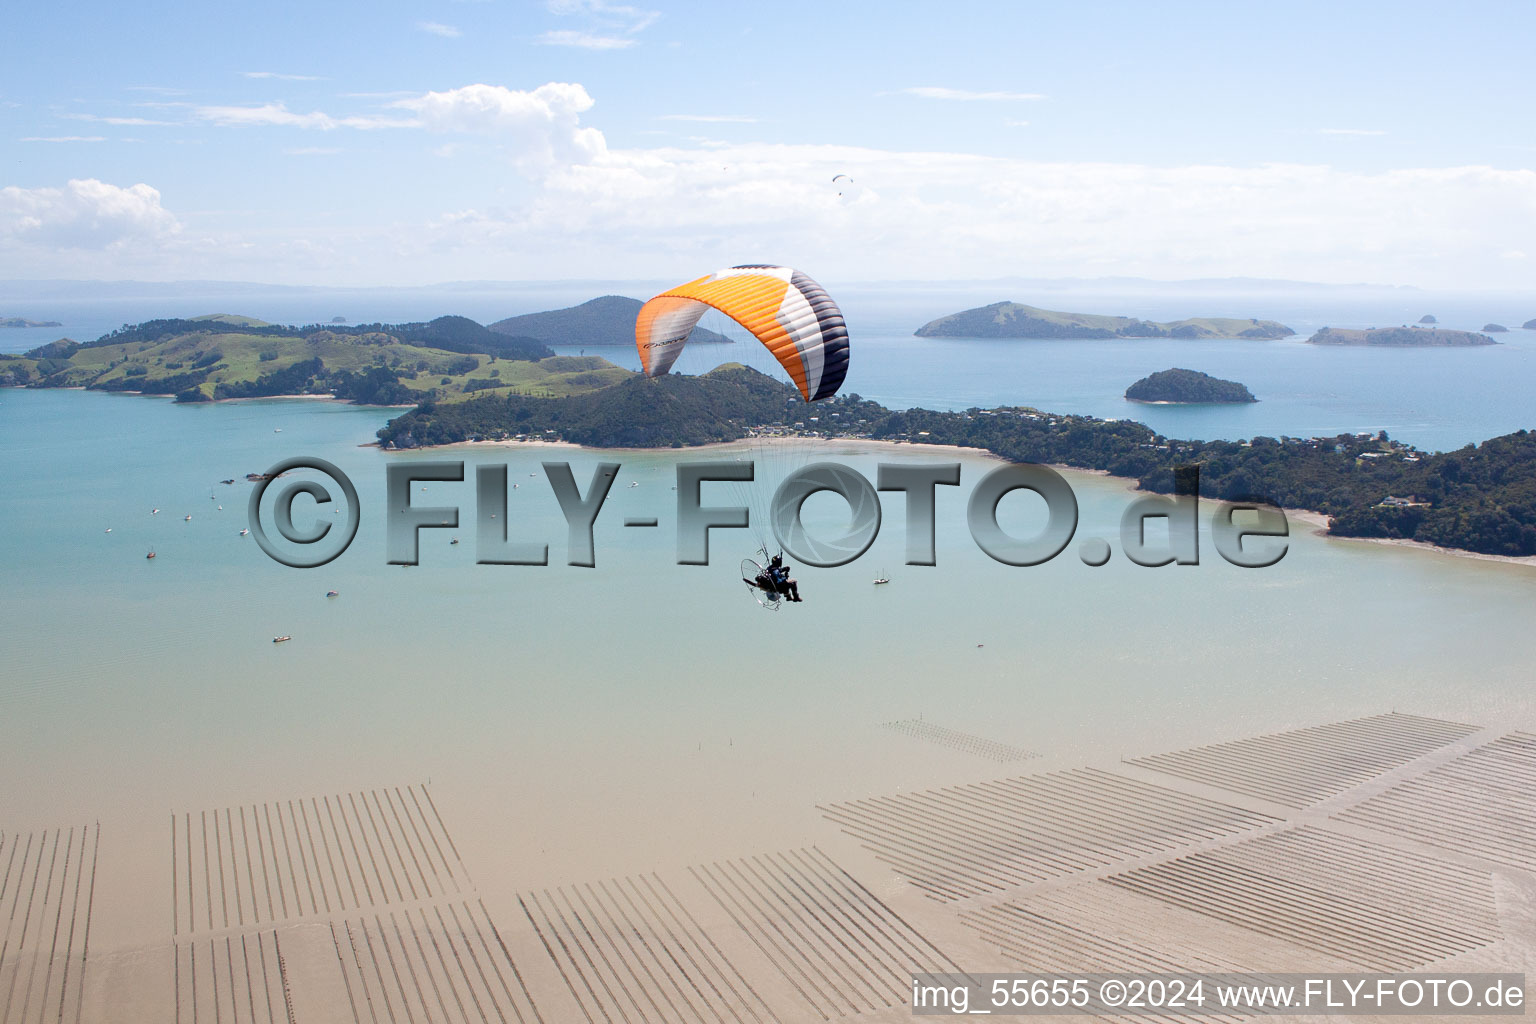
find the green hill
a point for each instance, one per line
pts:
(1016, 320)
(1399, 337)
(234, 320)
(1187, 387)
(639, 412)
(223, 356)
(608, 320)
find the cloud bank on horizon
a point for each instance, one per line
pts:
(490, 180)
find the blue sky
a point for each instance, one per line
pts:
(417, 142)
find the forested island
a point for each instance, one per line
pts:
(1495, 329)
(16, 321)
(1480, 498)
(1016, 320)
(1188, 387)
(1399, 337)
(224, 356)
(606, 320)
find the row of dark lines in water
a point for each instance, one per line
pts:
(630, 950)
(1299, 768)
(1366, 904)
(966, 841)
(375, 847)
(978, 746)
(647, 931)
(51, 974)
(839, 946)
(1489, 792)
(258, 972)
(383, 972)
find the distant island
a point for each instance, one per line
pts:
(225, 356)
(16, 321)
(1016, 320)
(1529, 325)
(1495, 328)
(607, 320)
(1187, 387)
(1399, 337)
(1427, 319)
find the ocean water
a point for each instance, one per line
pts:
(1438, 399)
(640, 713)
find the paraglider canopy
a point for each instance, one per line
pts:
(792, 315)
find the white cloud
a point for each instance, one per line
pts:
(279, 114)
(542, 125)
(437, 28)
(84, 214)
(938, 92)
(710, 118)
(63, 138)
(134, 121)
(281, 76)
(584, 40)
(1350, 131)
(608, 26)
(1012, 123)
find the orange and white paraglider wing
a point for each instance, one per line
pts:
(789, 313)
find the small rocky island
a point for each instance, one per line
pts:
(1399, 337)
(1188, 387)
(1529, 325)
(1427, 319)
(1016, 320)
(1495, 329)
(16, 321)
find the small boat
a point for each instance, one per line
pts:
(333, 593)
(154, 511)
(244, 533)
(634, 483)
(151, 553)
(514, 487)
(109, 529)
(882, 578)
(221, 508)
(187, 519)
(454, 541)
(229, 481)
(281, 639)
(278, 430)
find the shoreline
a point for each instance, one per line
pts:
(1317, 521)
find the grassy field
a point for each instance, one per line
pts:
(234, 357)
